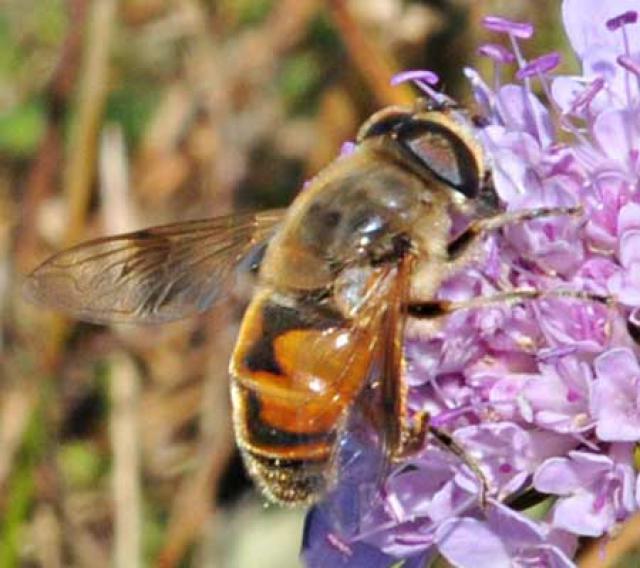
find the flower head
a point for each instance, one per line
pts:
(539, 397)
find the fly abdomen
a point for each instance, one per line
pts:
(291, 467)
(296, 370)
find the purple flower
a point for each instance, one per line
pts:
(625, 283)
(417, 498)
(505, 538)
(509, 454)
(541, 398)
(596, 491)
(559, 396)
(581, 325)
(615, 403)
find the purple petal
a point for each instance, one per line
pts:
(625, 285)
(630, 247)
(514, 528)
(413, 488)
(629, 218)
(482, 93)
(574, 323)
(594, 274)
(578, 514)
(616, 131)
(564, 541)
(560, 395)
(623, 456)
(601, 62)
(617, 365)
(507, 453)
(565, 91)
(553, 557)
(604, 497)
(523, 111)
(562, 476)
(584, 22)
(615, 402)
(471, 543)
(557, 476)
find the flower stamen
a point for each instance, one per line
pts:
(617, 22)
(497, 53)
(539, 66)
(425, 80)
(621, 22)
(585, 98)
(523, 30)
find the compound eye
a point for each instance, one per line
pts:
(444, 154)
(384, 122)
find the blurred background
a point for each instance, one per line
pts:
(115, 443)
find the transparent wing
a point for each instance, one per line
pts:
(328, 366)
(371, 436)
(382, 406)
(153, 275)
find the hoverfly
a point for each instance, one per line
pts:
(363, 247)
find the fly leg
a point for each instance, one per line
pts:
(461, 249)
(398, 432)
(405, 435)
(449, 444)
(414, 437)
(436, 309)
(433, 309)
(460, 252)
